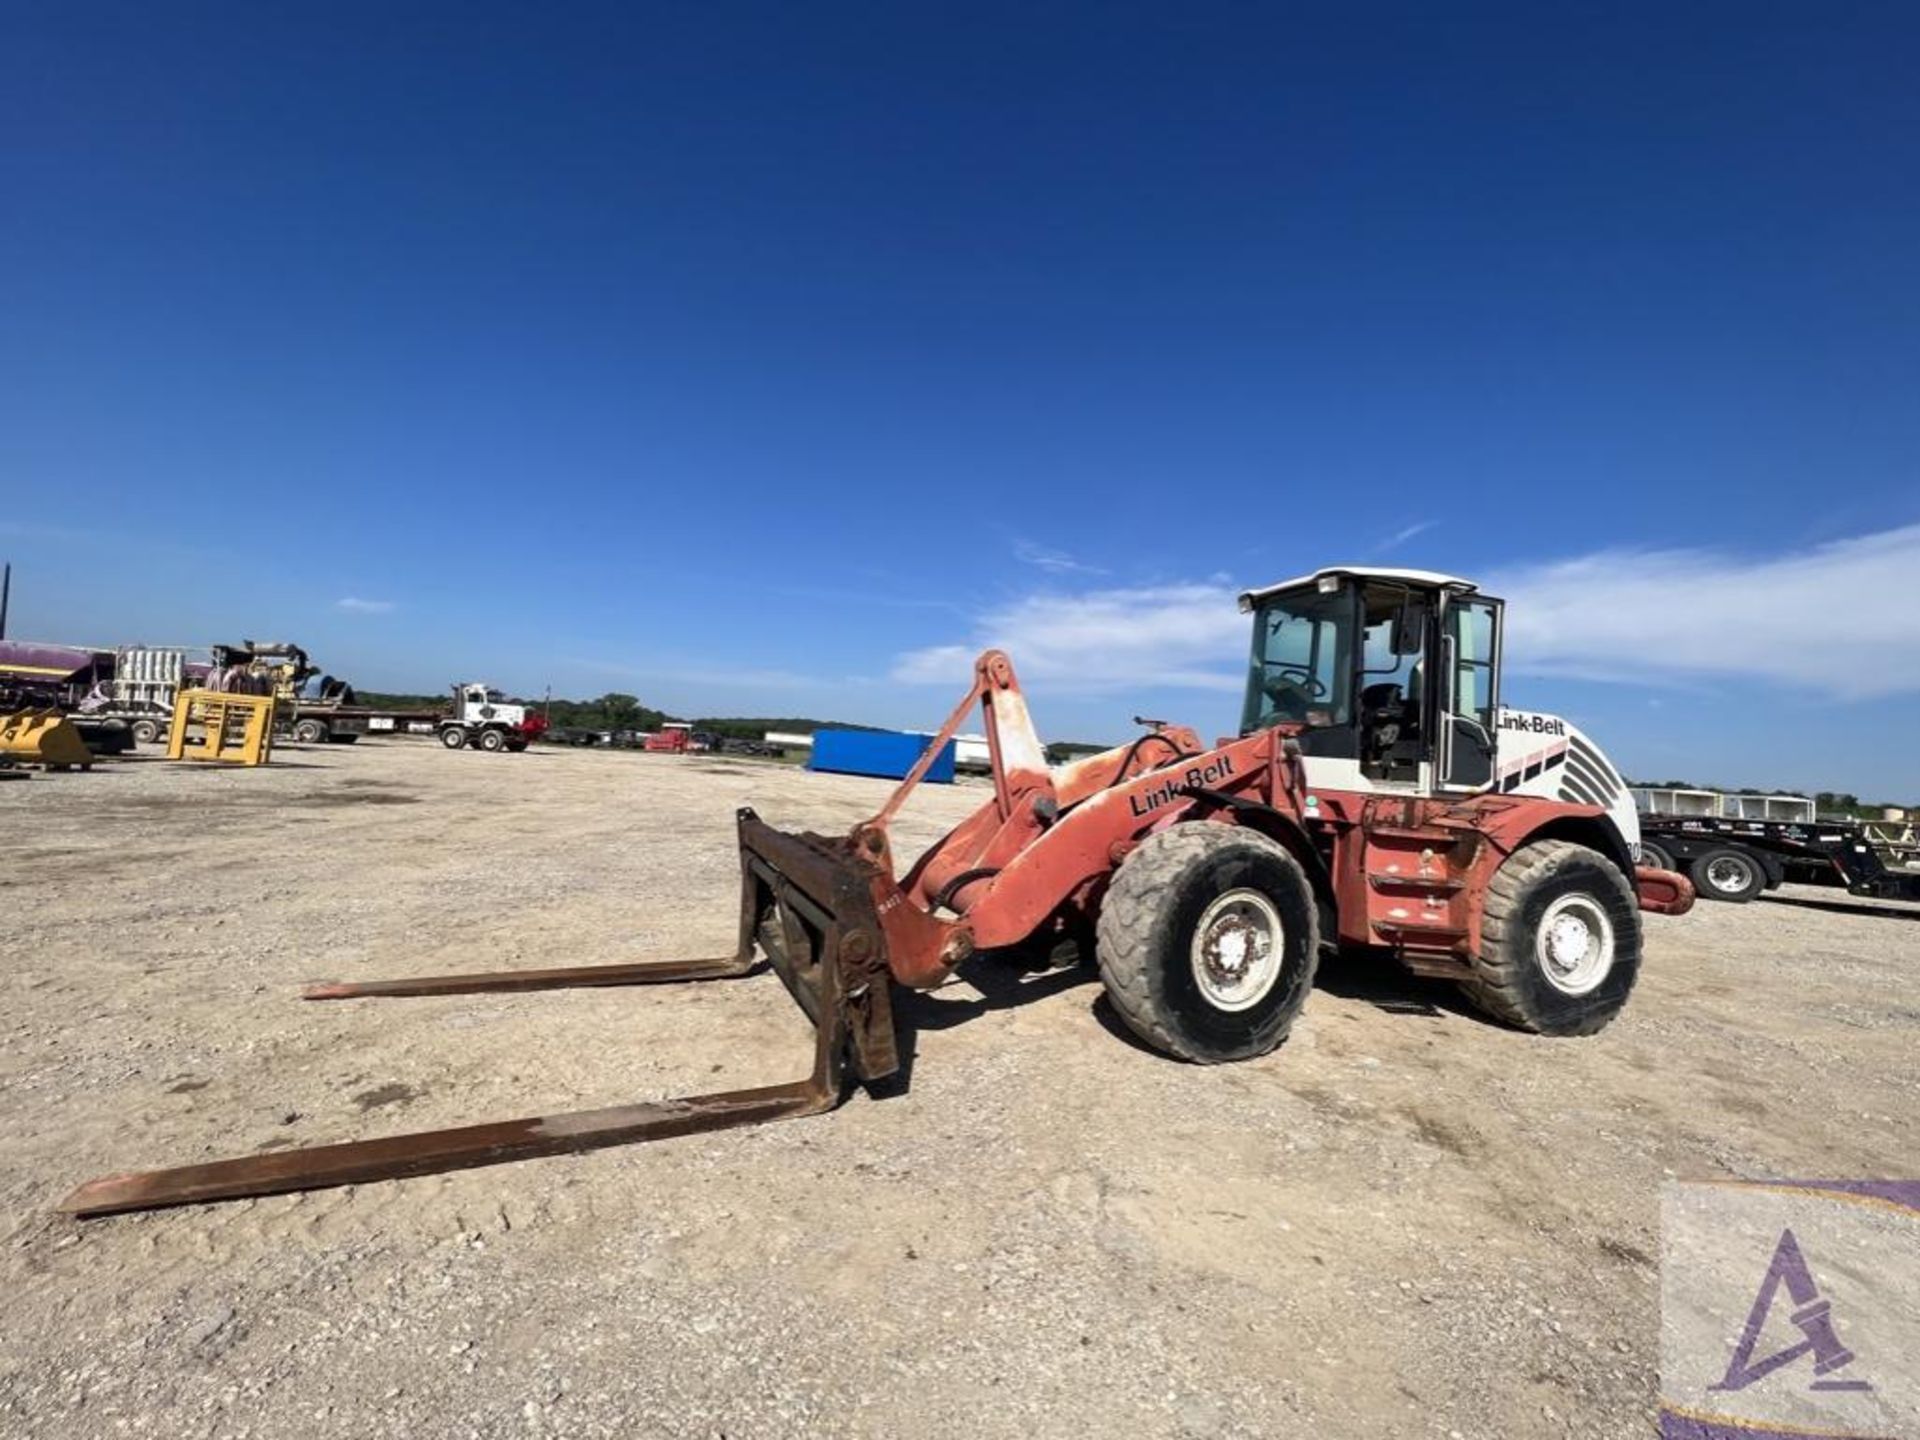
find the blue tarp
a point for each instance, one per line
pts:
(886, 753)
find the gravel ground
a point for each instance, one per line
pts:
(1407, 1222)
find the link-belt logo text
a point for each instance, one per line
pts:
(1535, 724)
(1148, 801)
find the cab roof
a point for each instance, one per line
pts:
(1430, 578)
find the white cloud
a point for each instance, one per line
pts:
(1838, 618)
(1187, 636)
(355, 605)
(1842, 618)
(1054, 562)
(1402, 535)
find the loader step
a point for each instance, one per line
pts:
(1425, 884)
(1422, 929)
(1412, 835)
(1435, 964)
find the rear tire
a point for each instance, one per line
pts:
(145, 732)
(1559, 941)
(1656, 855)
(453, 737)
(1207, 941)
(1728, 874)
(491, 741)
(310, 732)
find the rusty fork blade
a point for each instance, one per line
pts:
(431, 1151)
(657, 972)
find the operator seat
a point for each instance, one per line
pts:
(1383, 713)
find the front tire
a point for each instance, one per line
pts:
(1559, 940)
(1207, 941)
(1728, 874)
(310, 732)
(453, 737)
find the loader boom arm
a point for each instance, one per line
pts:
(835, 923)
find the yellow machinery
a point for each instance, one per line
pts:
(234, 728)
(43, 737)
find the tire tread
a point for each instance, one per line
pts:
(1127, 928)
(1495, 986)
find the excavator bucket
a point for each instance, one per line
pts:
(807, 903)
(43, 737)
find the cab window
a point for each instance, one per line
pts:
(1302, 663)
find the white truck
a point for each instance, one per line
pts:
(485, 719)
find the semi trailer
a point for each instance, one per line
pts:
(310, 707)
(1734, 859)
(129, 691)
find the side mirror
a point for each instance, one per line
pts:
(1408, 638)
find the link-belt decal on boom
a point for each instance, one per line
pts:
(1197, 778)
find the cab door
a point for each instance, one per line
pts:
(1469, 691)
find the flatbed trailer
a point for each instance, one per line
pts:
(1736, 860)
(403, 722)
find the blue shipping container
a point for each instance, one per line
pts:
(886, 753)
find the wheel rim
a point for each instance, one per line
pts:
(1574, 945)
(1236, 950)
(1727, 874)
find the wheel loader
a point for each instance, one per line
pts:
(1378, 795)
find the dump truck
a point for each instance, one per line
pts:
(1377, 796)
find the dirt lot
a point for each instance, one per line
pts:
(1406, 1222)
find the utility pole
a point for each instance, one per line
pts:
(6, 593)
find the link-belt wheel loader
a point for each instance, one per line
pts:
(1377, 795)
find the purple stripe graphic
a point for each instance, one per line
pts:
(1674, 1426)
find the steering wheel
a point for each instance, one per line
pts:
(1294, 677)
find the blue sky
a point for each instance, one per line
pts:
(762, 359)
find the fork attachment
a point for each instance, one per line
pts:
(806, 900)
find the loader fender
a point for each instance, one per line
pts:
(1278, 826)
(1596, 831)
(1083, 844)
